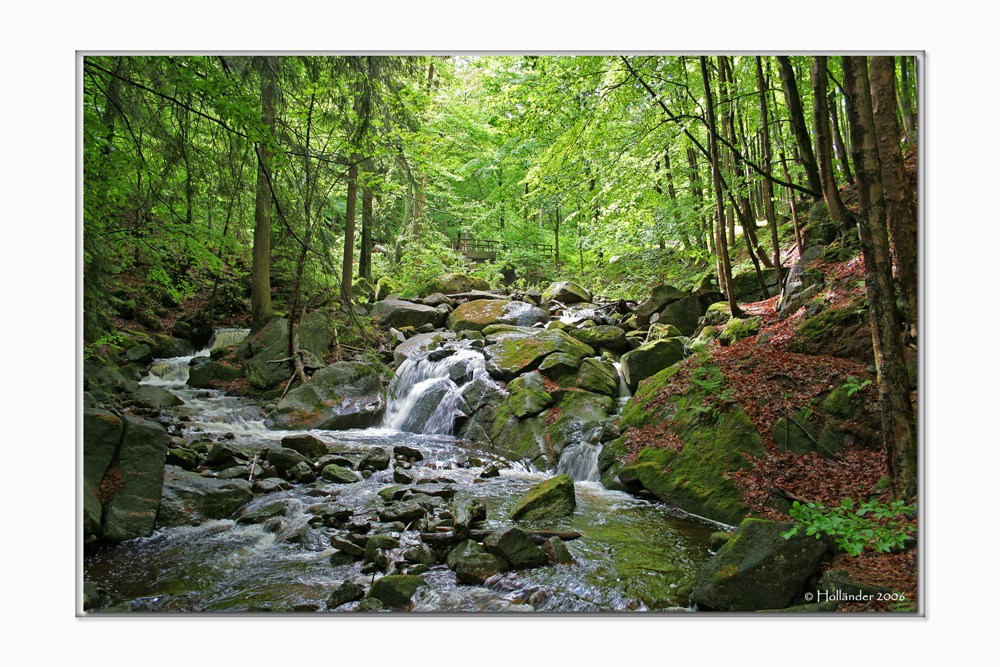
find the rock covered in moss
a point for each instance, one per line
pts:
(342, 395)
(737, 329)
(552, 499)
(566, 292)
(393, 312)
(649, 359)
(528, 396)
(602, 335)
(515, 547)
(455, 283)
(478, 314)
(476, 568)
(396, 590)
(191, 499)
(758, 568)
(510, 357)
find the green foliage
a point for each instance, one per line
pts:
(854, 385)
(855, 526)
(108, 340)
(424, 259)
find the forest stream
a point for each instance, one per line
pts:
(632, 554)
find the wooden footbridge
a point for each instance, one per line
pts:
(482, 250)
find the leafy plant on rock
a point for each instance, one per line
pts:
(855, 526)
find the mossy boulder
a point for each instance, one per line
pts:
(649, 359)
(478, 314)
(207, 374)
(339, 474)
(685, 313)
(558, 365)
(843, 402)
(795, 434)
(455, 283)
(396, 590)
(270, 343)
(597, 376)
(342, 395)
(393, 312)
(603, 335)
(191, 499)
(515, 547)
(102, 433)
(528, 396)
(737, 329)
(566, 292)
(746, 285)
(526, 438)
(659, 297)
(552, 499)
(758, 569)
(137, 472)
(476, 568)
(510, 357)
(658, 331)
(155, 398)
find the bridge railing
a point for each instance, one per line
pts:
(467, 245)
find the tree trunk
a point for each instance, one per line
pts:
(261, 309)
(726, 277)
(367, 222)
(906, 100)
(768, 188)
(824, 143)
(795, 213)
(838, 139)
(347, 276)
(798, 123)
(898, 425)
(558, 221)
(901, 207)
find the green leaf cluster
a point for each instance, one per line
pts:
(853, 526)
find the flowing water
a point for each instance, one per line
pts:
(633, 554)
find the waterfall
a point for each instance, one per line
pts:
(425, 394)
(579, 460)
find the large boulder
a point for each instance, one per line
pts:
(516, 548)
(746, 285)
(685, 313)
(394, 312)
(204, 374)
(191, 499)
(658, 297)
(649, 359)
(603, 335)
(595, 375)
(566, 292)
(552, 499)
(758, 568)
(342, 395)
(479, 314)
(102, 433)
(156, 398)
(801, 285)
(455, 283)
(512, 356)
(528, 396)
(268, 345)
(417, 345)
(137, 471)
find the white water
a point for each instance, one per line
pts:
(419, 380)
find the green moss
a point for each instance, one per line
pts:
(824, 323)
(738, 329)
(839, 402)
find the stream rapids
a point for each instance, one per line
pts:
(633, 554)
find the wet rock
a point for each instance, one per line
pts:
(604, 335)
(102, 433)
(341, 395)
(490, 472)
(184, 458)
(479, 314)
(395, 312)
(139, 354)
(396, 590)
(684, 314)
(401, 476)
(420, 554)
(419, 344)
(558, 365)
(347, 546)
(206, 374)
(551, 499)
(308, 445)
(516, 548)
(263, 511)
(408, 453)
(379, 542)
(557, 551)
(513, 356)
(404, 512)
(566, 292)
(271, 485)
(339, 474)
(302, 473)
(528, 396)
(376, 458)
(138, 473)
(347, 591)
(190, 499)
(456, 283)
(597, 376)
(155, 398)
(476, 568)
(758, 568)
(461, 551)
(284, 459)
(370, 605)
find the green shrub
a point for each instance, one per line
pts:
(855, 526)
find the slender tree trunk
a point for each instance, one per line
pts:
(261, 309)
(726, 278)
(824, 143)
(798, 123)
(558, 221)
(791, 204)
(367, 222)
(768, 188)
(347, 277)
(901, 208)
(906, 100)
(840, 148)
(898, 424)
